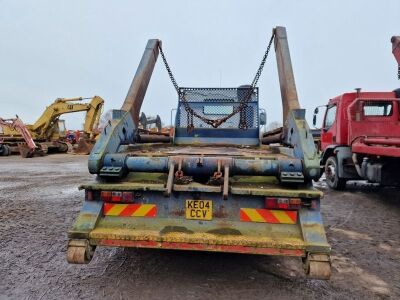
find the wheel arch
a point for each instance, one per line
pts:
(329, 151)
(341, 153)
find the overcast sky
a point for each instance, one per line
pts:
(51, 49)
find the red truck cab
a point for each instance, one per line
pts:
(360, 138)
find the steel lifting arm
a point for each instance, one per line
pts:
(296, 131)
(396, 51)
(17, 124)
(122, 130)
(43, 127)
(93, 115)
(287, 83)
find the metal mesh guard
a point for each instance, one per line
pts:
(215, 103)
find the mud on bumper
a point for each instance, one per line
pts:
(306, 239)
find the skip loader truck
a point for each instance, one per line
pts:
(216, 186)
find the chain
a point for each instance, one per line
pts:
(243, 103)
(171, 76)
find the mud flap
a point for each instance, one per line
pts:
(87, 219)
(313, 231)
(317, 264)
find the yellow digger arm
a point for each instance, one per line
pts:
(93, 115)
(43, 127)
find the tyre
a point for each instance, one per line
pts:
(44, 149)
(6, 150)
(332, 175)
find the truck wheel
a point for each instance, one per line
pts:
(317, 266)
(44, 149)
(332, 177)
(79, 252)
(319, 270)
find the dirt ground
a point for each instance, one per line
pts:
(39, 200)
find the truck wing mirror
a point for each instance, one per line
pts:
(316, 110)
(314, 119)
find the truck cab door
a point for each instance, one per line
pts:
(329, 128)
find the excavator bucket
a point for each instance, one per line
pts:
(83, 147)
(27, 152)
(24, 150)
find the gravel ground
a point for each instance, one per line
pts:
(39, 200)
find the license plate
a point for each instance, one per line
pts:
(199, 209)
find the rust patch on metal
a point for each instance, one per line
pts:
(179, 229)
(202, 247)
(220, 212)
(179, 212)
(225, 231)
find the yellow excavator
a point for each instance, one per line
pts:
(49, 131)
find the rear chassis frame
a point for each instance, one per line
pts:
(225, 233)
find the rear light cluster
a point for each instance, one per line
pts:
(290, 203)
(283, 203)
(116, 196)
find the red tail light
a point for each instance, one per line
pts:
(105, 196)
(270, 203)
(116, 196)
(283, 203)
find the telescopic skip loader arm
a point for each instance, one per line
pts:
(122, 129)
(296, 132)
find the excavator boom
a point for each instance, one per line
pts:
(93, 115)
(43, 128)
